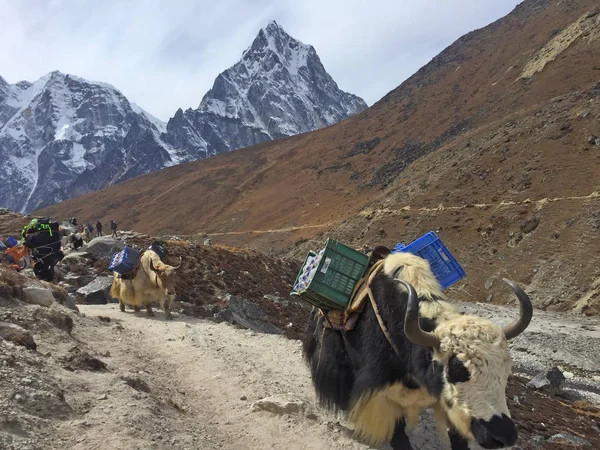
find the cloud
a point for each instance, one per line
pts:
(164, 55)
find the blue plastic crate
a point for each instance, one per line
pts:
(11, 242)
(125, 261)
(444, 266)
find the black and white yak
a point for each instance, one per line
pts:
(435, 357)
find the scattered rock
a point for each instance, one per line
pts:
(207, 242)
(82, 361)
(97, 292)
(551, 381)
(569, 440)
(38, 296)
(102, 397)
(529, 225)
(104, 247)
(250, 316)
(243, 398)
(594, 140)
(104, 319)
(17, 335)
(56, 317)
(69, 302)
(279, 405)
(137, 383)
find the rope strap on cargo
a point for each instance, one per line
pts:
(344, 320)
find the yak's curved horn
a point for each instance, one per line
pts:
(412, 328)
(179, 265)
(512, 330)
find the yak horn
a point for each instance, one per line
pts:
(514, 329)
(180, 261)
(412, 328)
(152, 266)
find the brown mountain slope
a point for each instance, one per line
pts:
(503, 114)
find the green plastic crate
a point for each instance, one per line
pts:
(338, 272)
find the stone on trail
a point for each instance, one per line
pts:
(279, 404)
(97, 292)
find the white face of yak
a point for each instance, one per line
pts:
(473, 352)
(477, 364)
(165, 276)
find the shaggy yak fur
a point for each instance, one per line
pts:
(152, 281)
(456, 364)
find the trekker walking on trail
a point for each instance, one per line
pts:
(98, 229)
(113, 228)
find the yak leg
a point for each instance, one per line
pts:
(149, 312)
(400, 440)
(457, 442)
(121, 305)
(136, 308)
(168, 315)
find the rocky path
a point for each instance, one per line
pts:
(191, 384)
(196, 385)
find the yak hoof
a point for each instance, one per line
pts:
(168, 316)
(122, 307)
(136, 309)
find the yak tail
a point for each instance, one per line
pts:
(114, 290)
(332, 374)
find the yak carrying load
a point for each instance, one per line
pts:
(383, 343)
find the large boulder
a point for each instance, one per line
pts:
(104, 247)
(95, 293)
(550, 381)
(38, 296)
(248, 315)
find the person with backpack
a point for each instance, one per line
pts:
(113, 228)
(98, 229)
(42, 238)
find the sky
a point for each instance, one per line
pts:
(165, 54)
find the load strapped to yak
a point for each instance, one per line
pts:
(125, 262)
(337, 279)
(42, 238)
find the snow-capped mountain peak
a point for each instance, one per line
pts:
(279, 88)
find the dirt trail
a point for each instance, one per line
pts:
(203, 378)
(191, 384)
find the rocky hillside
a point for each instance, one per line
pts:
(506, 118)
(63, 136)
(278, 89)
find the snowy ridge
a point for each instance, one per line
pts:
(63, 135)
(57, 130)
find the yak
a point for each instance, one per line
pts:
(152, 280)
(409, 350)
